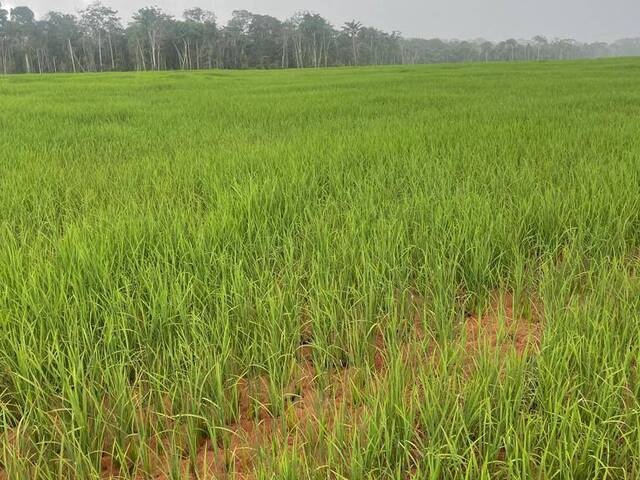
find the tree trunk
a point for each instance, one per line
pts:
(113, 63)
(355, 51)
(142, 62)
(100, 49)
(180, 56)
(315, 51)
(152, 42)
(4, 58)
(284, 50)
(73, 61)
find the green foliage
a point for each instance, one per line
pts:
(166, 237)
(98, 40)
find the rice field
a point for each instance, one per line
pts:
(425, 272)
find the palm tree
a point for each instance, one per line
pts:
(541, 42)
(352, 29)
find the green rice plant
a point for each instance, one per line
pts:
(395, 272)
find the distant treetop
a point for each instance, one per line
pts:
(95, 40)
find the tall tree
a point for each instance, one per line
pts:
(352, 30)
(62, 38)
(264, 36)
(4, 20)
(541, 43)
(378, 47)
(200, 34)
(153, 40)
(485, 50)
(235, 38)
(317, 35)
(294, 37)
(22, 29)
(99, 23)
(148, 29)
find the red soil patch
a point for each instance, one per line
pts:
(500, 329)
(236, 452)
(236, 455)
(9, 439)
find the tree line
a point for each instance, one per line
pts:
(96, 40)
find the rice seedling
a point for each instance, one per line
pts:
(399, 272)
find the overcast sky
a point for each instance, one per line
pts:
(587, 20)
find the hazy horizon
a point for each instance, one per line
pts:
(583, 20)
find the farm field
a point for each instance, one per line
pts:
(425, 272)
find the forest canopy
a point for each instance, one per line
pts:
(97, 39)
